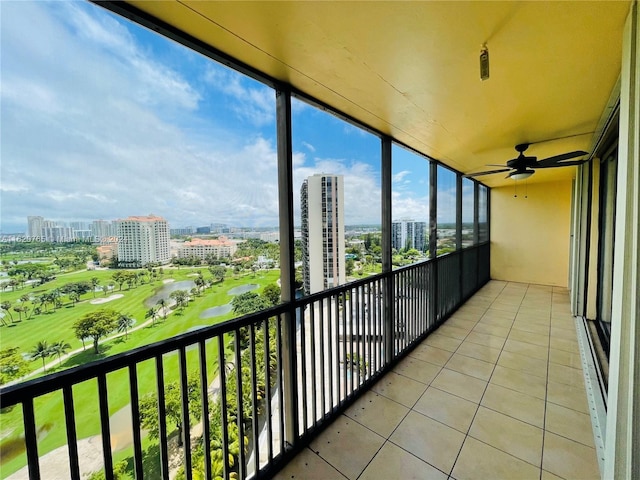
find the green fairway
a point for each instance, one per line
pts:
(57, 325)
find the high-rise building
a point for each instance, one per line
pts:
(102, 231)
(323, 251)
(408, 234)
(35, 225)
(143, 240)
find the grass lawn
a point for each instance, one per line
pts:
(58, 326)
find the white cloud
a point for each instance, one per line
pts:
(309, 147)
(399, 177)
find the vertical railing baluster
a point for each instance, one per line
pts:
(355, 312)
(267, 362)
(30, 438)
(303, 372)
(135, 422)
(105, 430)
(330, 352)
(280, 382)
(72, 439)
(222, 398)
(242, 466)
(323, 376)
(184, 397)
(204, 412)
(342, 298)
(314, 386)
(162, 419)
(254, 401)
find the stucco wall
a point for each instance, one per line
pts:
(530, 236)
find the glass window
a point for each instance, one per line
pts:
(468, 205)
(446, 211)
(409, 207)
(337, 199)
(483, 213)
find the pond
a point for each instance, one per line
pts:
(243, 289)
(167, 289)
(215, 311)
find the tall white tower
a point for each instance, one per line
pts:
(323, 250)
(143, 240)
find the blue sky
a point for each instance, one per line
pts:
(102, 119)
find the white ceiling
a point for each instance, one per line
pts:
(411, 69)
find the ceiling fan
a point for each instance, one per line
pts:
(523, 167)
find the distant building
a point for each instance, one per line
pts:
(200, 248)
(406, 234)
(323, 260)
(203, 230)
(182, 231)
(34, 227)
(102, 231)
(142, 240)
(270, 237)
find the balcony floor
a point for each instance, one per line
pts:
(496, 392)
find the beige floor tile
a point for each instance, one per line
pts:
(505, 305)
(568, 359)
(366, 410)
(394, 462)
(569, 424)
(526, 364)
(558, 332)
(523, 348)
(574, 398)
(481, 352)
(430, 354)
(549, 476)
(527, 337)
(496, 321)
(531, 327)
(347, 446)
(478, 460)
(399, 388)
(453, 332)
(490, 329)
(519, 381)
(563, 344)
(449, 409)
(443, 342)
(569, 459)
(563, 322)
(470, 312)
(429, 440)
(567, 375)
(419, 370)
(464, 386)
(459, 322)
(470, 366)
(534, 318)
(508, 434)
(515, 404)
(310, 466)
(486, 340)
(499, 314)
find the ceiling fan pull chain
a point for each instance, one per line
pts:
(515, 189)
(526, 189)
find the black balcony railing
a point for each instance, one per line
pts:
(254, 390)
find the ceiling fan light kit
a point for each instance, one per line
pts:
(520, 174)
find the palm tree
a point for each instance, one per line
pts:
(74, 297)
(95, 281)
(41, 350)
(125, 322)
(6, 305)
(163, 304)
(152, 313)
(59, 348)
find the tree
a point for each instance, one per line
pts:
(348, 266)
(125, 322)
(41, 350)
(162, 303)
(152, 313)
(96, 325)
(59, 348)
(272, 293)
(19, 308)
(12, 365)
(249, 302)
(173, 407)
(6, 306)
(181, 297)
(74, 297)
(218, 272)
(95, 281)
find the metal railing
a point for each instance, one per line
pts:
(244, 395)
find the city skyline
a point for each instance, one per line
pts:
(99, 115)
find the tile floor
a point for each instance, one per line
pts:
(496, 392)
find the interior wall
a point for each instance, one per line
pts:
(530, 233)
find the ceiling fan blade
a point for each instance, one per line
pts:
(496, 165)
(489, 172)
(558, 160)
(561, 164)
